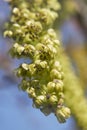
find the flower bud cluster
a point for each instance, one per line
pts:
(74, 93)
(31, 29)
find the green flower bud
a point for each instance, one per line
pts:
(53, 99)
(29, 49)
(57, 65)
(16, 26)
(19, 72)
(43, 54)
(40, 66)
(50, 86)
(51, 33)
(60, 102)
(54, 74)
(43, 89)
(46, 16)
(62, 114)
(24, 85)
(66, 112)
(31, 92)
(33, 26)
(59, 86)
(8, 33)
(62, 74)
(16, 45)
(13, 19)
(18, 48)
(57, 42)
(25, 13)
(61, 95)
(53, 4)
(16, 11)
(27, 38)
(53, 15)
(29, 23)
(52, 49)
(40, 100)
(47, 40)
(43, 64)
(60, 117)
(19, 31)
(32, 69)
(35, 84)
(40, 46)
(25, 66)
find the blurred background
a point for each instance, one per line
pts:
(16, 111)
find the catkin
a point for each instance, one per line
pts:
(34, 38)
(74, 93)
